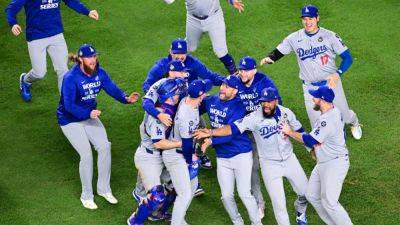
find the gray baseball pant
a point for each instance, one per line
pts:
(273, 172)
(255, 176)
(349, 117)
(229, 170)
(58, 52)
(323, 191)
(178, 170)
(214, 25)
(80, 135)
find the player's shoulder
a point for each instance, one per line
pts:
(296, 35)
(326, 32)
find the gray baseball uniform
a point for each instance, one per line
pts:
(316, 58)
(327, 177)
(58, 52)
(80, 135)
(206, 16)
(277, 159)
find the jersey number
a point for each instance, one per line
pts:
(324, 59)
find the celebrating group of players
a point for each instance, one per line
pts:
(250, 127)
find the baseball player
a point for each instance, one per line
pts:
(156, 151)
(177, 69)
(234, 153)
(207, 16)
(44, 33)
(277, 159)
(78, 118)
(194, 68)
(253, 82)
(328, 141)
(316, 49)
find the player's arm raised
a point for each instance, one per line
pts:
(237, 4)
(79, 7)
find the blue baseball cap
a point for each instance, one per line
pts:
(247, 63)
(87, 50)
(232, 81)
(324, 93)
(176, 65)
(199, 87)
(179, 46)
(169, 88)
(268, 94)
(309, 11)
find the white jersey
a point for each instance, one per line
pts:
(202, 7)
(271, 144)
(329, 132)
(152, 93)
(151, 129)
(315, 54)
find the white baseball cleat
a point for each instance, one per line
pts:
(109, 197)
(89, 204)
(261, 212)
(356, 131)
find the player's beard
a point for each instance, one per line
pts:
(88, 69)
(271, 112)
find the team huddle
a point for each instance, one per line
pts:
(250, 127)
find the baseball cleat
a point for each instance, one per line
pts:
(261, 212)
(25, 89)
(301, 218)
(356, 131)
(136, 196)
(205, 162)
(199, 191)
(89, 204)
(159, 217)
(109, 197)
(131, 220)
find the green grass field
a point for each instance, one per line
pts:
(39, 180)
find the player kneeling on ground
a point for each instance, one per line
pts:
(275, 151)
(78, 118)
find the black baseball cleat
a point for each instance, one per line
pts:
(205, 162)
(199, 191)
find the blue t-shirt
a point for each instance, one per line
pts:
(79, 92)
(43, 17)
(220, 114)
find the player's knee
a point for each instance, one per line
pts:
(329, 205)
(312, 197)
(104, 148)
(245, 194)
(86, 157)
(227, 197)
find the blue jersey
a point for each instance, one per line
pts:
(220, 114)
(79, 92)
(250, 96)
(43, 17)
(194, 67)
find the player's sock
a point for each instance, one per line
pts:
(229, 63)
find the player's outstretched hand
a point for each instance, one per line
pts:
(266, 60)
(332, 80)
(286, 129)
(95, 113)
(238, 4)
(165, 119)
(94, 15)
(134, 97)
(16, 29)
(201, 133)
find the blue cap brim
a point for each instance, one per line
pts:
(178, 52)
(308, 15)
(314, 93)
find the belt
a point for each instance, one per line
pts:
(151, 151)
(202, 17)
(318, 83)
